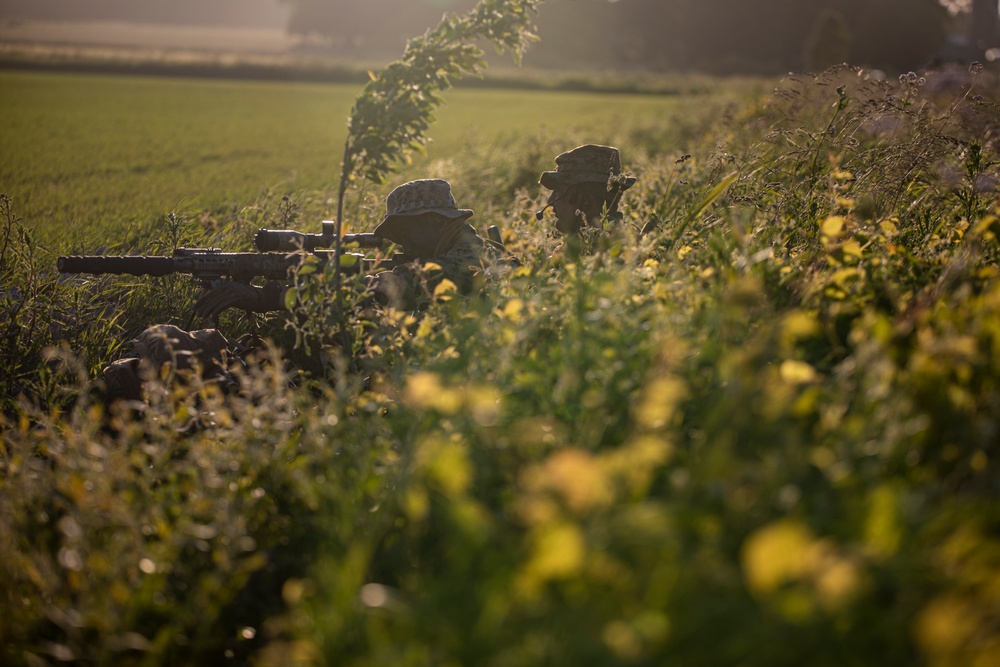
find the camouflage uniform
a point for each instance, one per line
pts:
(461, 255)
(205, 350)
(470, 258)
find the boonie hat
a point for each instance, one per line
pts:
(589, 163)
(430, 195)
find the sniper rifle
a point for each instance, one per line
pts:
(208, 265)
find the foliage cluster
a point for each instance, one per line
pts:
(762, 432)
(393, 112)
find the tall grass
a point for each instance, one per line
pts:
(763, 432)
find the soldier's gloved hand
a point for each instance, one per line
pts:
(239, 295)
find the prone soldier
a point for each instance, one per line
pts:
(422, 217)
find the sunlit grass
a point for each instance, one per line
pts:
(86, 157)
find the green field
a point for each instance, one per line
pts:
(755, 424)
(85, 156)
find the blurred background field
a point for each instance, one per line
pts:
(91, 159)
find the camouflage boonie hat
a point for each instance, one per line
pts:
(431, 195)
(586, 164)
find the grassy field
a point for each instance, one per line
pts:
(764, 432)
(87, 157)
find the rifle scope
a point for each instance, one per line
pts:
(288, 240)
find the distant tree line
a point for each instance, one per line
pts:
(718, 36)
(740, 36)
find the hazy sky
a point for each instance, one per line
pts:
(235, 13)
(707, 35)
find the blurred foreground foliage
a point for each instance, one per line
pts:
(765, 432)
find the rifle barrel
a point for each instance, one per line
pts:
(137, 265)
(209, 264)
